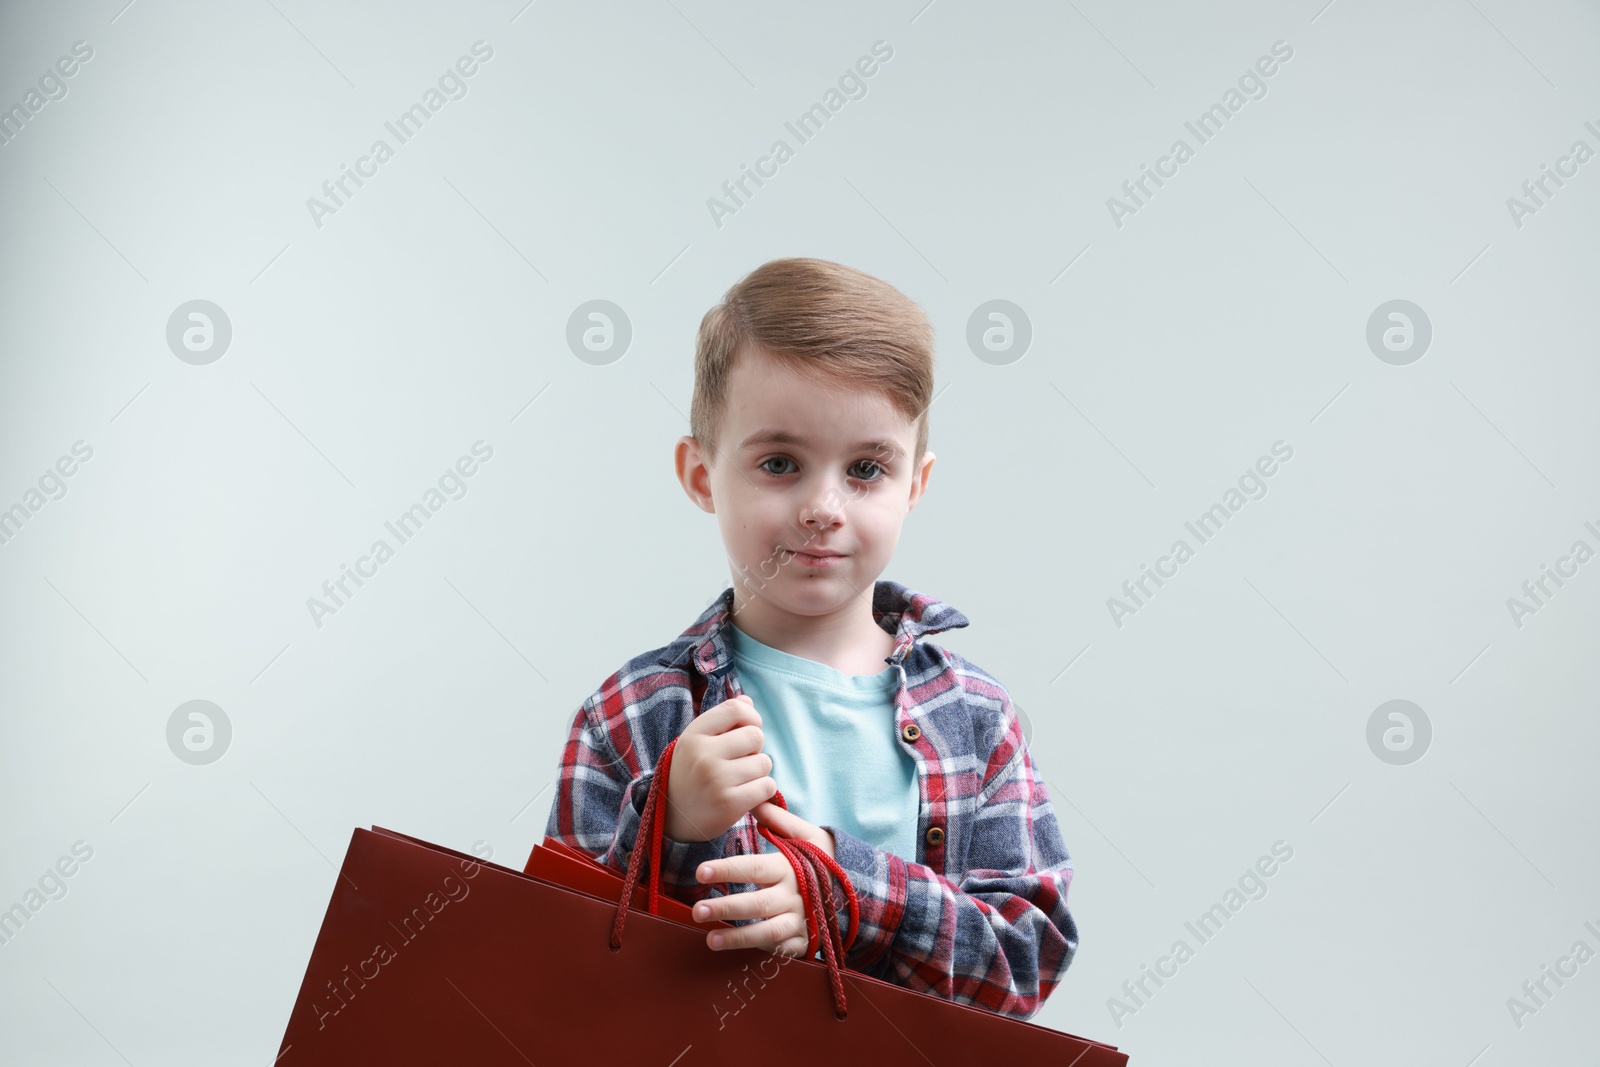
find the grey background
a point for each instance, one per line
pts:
(1167, 355)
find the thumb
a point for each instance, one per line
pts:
(774, 817)
(783, 822)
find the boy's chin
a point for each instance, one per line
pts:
(807, 594)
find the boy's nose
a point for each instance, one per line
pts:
(822, 512)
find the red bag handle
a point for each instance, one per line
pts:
(697, 688)
(810, 862)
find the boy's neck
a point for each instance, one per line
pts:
(848, 640)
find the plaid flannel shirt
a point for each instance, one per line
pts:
(980, 917)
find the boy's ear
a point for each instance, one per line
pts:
(919, 480)
(693, 474)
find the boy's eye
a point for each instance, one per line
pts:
(875, 471)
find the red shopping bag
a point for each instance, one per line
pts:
(428, 955)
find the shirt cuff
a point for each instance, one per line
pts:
(879, 879)
(679, 859)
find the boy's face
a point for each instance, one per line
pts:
(825, 490)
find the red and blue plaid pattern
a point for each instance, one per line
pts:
(979, 918)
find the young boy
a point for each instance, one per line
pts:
(809, 444)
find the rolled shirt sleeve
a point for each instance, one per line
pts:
(1000, 939)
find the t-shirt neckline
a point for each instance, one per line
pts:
(748, 648)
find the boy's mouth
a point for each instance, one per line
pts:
(816, 559)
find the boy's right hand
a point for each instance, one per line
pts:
(718, 771)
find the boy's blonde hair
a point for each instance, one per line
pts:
(834, 323)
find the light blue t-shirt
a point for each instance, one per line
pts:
(832, 739)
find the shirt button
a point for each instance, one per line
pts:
(935, 835)
(911, 732)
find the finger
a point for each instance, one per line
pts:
(766, 935)
(730, 714)
(770, 813)
(747, 740)
(723, 717)
(784, 822)
(796, 934)
(760, 868)
(748, 768)
(795, 946)
(750, 794)
(762, 904)
(780, 822)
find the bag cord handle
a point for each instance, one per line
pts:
(809, 861)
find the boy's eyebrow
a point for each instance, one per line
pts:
(784, 437)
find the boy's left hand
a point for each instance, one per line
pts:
(778, 901)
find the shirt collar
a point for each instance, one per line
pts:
(907, 614)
